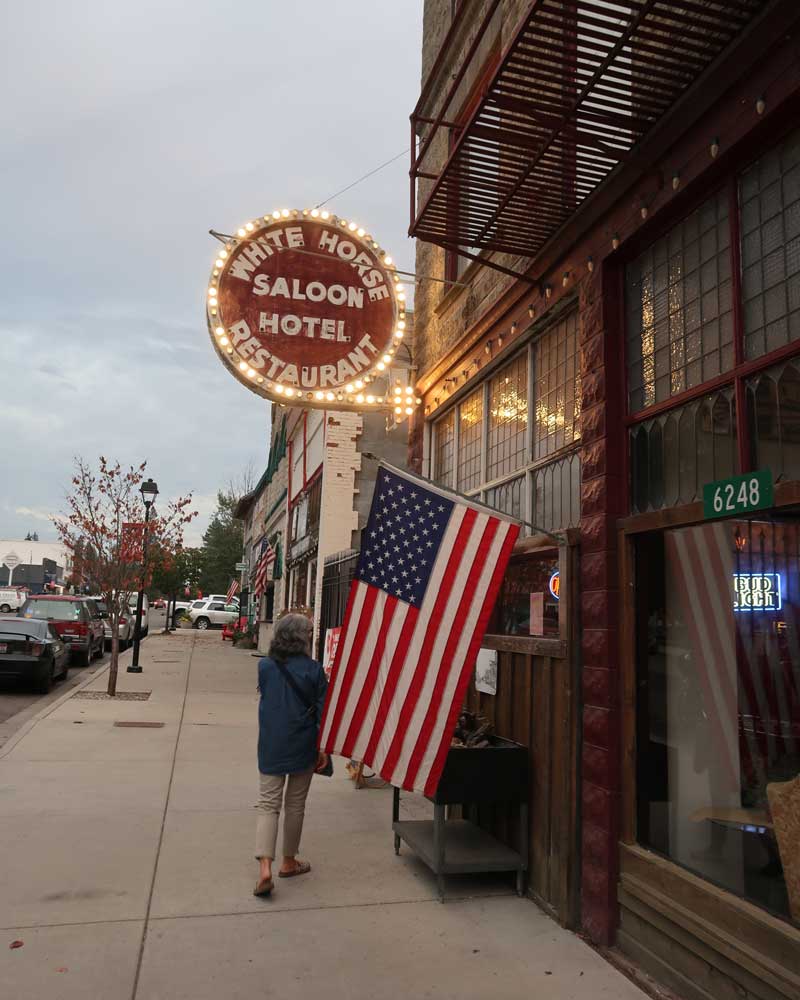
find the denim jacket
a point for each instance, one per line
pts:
(287, 731)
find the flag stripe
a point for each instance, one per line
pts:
(512, 532)
(349, 672)
(355, 603)
(468, 594)
(399, 637)
(433, 625)
(407, 651)
(445, 627)
(390, 609)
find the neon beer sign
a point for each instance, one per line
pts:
(757, 592)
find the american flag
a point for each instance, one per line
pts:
(231, 591)
(430, 568)
(265, 560)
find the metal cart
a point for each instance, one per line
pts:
(471, 776)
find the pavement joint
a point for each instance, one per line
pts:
(143, 941)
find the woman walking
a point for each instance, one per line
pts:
(292, 688)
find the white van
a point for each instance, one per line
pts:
(11, 599)
(144, 624)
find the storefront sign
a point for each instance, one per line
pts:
(486, 671)
(738, 495)
(329, 652)
(306, 307)
(555, 584)
(757, 592)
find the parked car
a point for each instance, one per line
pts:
(159, 603)
(207, 613)
(76, 619)
(11, 599)
(125, 626)
(144, 625)
(223, 598)
(31, 648)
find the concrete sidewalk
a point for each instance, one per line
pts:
(127, 866)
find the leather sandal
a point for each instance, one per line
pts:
(263, 887)
(300, 869)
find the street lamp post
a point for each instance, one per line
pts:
(149, 492)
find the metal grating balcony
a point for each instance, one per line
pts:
(578, 87)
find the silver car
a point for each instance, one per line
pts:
(125, 630)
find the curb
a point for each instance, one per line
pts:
(27, 726)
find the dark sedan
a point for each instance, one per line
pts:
(31, 648)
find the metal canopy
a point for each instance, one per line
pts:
(580, 84)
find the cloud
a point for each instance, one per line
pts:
(122, 150)
(37, 513)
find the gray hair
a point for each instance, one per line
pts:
(292, 637)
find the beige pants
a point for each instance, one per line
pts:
(269, 809)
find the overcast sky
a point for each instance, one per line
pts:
(128, 130)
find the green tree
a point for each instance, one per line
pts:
(174, 572)
(222, 546)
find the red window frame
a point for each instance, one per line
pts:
(742, 369)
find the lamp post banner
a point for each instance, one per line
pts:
(306, 307)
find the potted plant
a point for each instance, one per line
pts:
(244, 636)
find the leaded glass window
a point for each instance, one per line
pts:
(557, 388)
(769, 194)
(508, 419)
(508, 497)
(557, 494)
(679, 306)
(470, 433)
(773, 405)
(443, 445)
(674, 454)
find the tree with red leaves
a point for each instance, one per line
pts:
(104, 532)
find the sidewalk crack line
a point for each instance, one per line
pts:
(143, 942)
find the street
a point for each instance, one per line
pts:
(18, 702)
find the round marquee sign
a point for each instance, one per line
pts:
(306, 306)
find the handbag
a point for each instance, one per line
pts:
(311, 710)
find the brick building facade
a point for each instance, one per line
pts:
(611, 190)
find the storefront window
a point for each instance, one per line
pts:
(443, 443)
(718, 662)
(485, 445)
(470, 433)
(679, 307)
(528, 600)
(773, 403)
(558, 388)
(509, 497)
(557, 494)
(508, 419)
(674, 454)
(769, 195)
